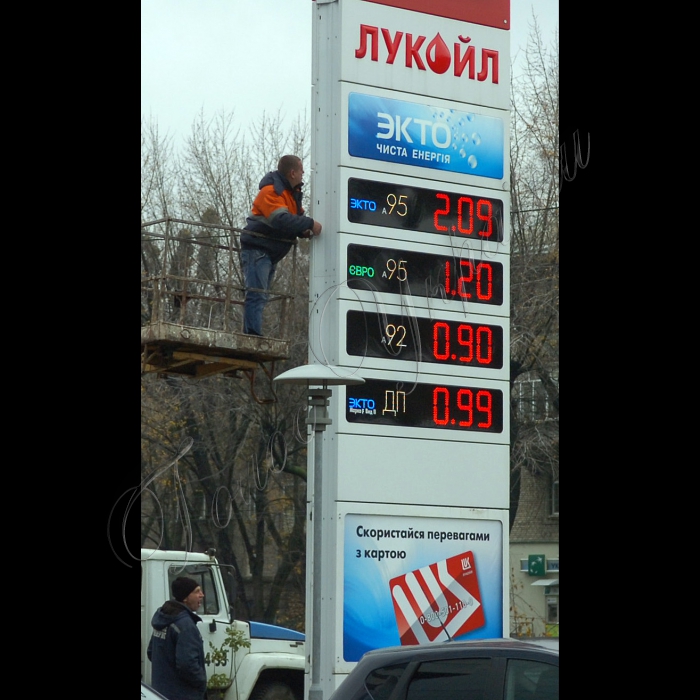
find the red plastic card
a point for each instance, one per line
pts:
(439, 601)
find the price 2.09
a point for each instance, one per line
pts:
(467, 210)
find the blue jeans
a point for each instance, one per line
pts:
(259, 273)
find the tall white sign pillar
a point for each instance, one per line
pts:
(409, 290)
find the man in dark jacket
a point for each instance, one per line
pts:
(176, 649)
(277, 219)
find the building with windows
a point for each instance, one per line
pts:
(534, 535)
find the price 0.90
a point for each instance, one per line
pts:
(419, 339)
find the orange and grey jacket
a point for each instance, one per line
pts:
(278, 215)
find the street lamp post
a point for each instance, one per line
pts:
(318, 418)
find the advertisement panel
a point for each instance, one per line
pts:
(394, 132)
(417, 580)
(425, 135)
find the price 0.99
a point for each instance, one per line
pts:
(471, 406)
(383, 402)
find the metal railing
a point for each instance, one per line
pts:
(191, 275)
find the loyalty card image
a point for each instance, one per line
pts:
(438, 602)
(413, 580)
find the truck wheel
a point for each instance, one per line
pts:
(273, 691)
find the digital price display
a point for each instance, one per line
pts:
(382, 402)
(430, 211)
(424, 340)
(424, 274)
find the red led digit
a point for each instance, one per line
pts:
(436, 341)
(484, 345)
(469, 407)
(445, 408)
(484, 283)
(470, 202)
(488, 217)
(468, 342)
(447, 277)
(446, 210)
(464, 278)
(485, 407)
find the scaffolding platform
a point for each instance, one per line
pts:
(171, 348)
(192, 299)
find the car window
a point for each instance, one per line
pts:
(531, 680)
(379, 684)
(450, 679)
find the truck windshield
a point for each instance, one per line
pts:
(204, 575)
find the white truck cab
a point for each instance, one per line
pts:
(271, 669)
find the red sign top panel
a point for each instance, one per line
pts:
(490, 13)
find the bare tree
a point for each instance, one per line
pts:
(158, 173)
(240, 486)
(535, 264)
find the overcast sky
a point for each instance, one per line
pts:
(248, 57)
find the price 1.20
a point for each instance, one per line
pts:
(425, 275)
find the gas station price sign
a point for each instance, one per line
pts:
(420, 339)
(424, 274)
(405, 404)
(429, 211)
